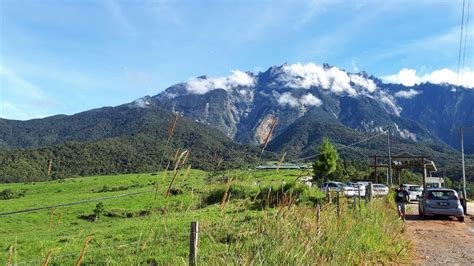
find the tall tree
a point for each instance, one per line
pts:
(326, 162)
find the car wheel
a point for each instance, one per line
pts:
(461, 219)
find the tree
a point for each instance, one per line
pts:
(98, 211)
(327, 160)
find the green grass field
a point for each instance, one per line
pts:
(257, 225)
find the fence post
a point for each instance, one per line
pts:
(337, 203)
(318, 219)
(360, 207)
(354, 199)
(370, 188)
(193, 243)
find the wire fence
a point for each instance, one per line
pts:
(72, 203)
(91, 250)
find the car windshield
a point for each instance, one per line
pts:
(415, 188)
(379, 186)
(443, 195)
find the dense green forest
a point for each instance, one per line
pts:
(136, 154)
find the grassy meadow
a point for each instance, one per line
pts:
(266, 218)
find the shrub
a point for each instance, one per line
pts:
(268, 196)
(7, 194)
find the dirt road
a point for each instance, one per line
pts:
(441, 241)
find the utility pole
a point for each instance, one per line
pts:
(389, 175)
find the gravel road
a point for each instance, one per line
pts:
(441, 240)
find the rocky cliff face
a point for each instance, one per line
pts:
(243, 104)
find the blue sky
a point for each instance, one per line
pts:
(63, 57)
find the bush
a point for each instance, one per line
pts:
(268, 196)
(7, 194)
(236, 191)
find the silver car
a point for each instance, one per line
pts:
(440, 201)
(414, 192)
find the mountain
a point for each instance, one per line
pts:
(307, 101)
(125, 139)
(444, 109)
(244, 105)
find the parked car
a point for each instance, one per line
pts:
(414, 192)
(379, 190)
(338, 186)
(440, 201)
(359, 188)
(307, 180)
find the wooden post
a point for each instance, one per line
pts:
(337, 203)
(375, 169)
(318, 219)
(354, 200)
(360, 209)
(193, 243)
(370, 190)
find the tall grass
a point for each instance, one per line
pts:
(289, 236)
(266, 196)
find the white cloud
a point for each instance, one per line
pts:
(20, 99)
(408, 77)
(408, 94)
(310, 100)
(306, 100)
(204, 85)
(364, 83)
(287, 99)
(115, 10)
(311, 75)
(21, 86)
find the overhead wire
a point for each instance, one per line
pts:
(72, 203)
(460, 41)
(340, 148)
(466, 32)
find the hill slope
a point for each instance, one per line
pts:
(123, 139)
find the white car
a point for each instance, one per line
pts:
(338, 186)
(414, 191)
(358, 187)
(379, 190)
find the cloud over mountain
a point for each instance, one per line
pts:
(408, 94)
(329, 78)
(202, 85)
(409, 77)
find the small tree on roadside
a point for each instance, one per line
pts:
(326, 162)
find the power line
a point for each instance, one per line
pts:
(341, 148)
(460, 41)
(466, 35)
(72, 203)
